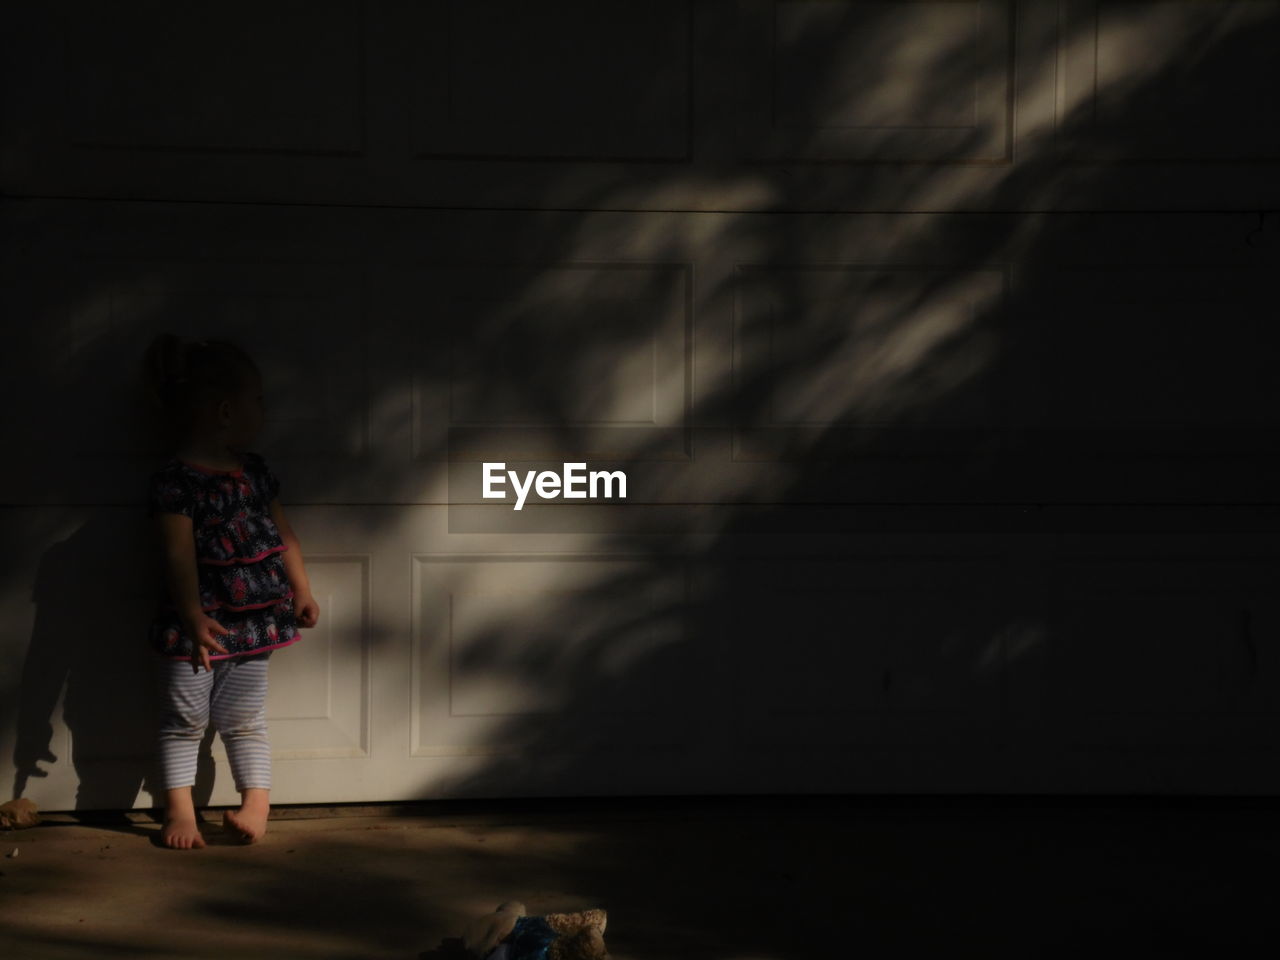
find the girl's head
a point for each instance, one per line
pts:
(208, 390)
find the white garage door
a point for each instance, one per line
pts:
(931, 338)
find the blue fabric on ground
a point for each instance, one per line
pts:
(529, 939)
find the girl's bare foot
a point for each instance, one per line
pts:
(248, 823)
(180, 832)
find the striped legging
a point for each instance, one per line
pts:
(234, 694)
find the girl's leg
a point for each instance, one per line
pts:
(239, 710)
(184, 716)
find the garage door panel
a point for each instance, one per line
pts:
(1151, 652)
(1209, 113)
(579, 93)
(811, 651)
(536, 652)
(212, 95)
(848, 360)
(618, 386)
(1159, 348)
(319, 699)
(867, 653)
(875, 81)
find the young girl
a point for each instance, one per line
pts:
(236, 585)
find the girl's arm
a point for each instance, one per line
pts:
(178, 548)
(304, 604)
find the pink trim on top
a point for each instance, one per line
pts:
(234, 560)
(195, 466)
(229, 656)
(169, 607)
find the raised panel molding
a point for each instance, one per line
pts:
(1144, 653)
(563, 361)
(257, 78)
(1145, 360)
(591, 648)
(1153, 81)
(565, 80)
(827, 360)
(900, 82)
(832, 652)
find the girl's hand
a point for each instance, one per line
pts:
(306, 610)
(204, 630)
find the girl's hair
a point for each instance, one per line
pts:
(183, 375)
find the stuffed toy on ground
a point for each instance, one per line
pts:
(15, 814)
(510, 934)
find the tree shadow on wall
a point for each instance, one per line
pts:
(678, 634)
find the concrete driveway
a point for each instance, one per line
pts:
(745, 878)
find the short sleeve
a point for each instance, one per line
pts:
(170, 494)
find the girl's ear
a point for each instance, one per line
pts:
(224, 412)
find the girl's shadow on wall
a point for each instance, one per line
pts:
(95, 593)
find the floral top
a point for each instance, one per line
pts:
(240, 571)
